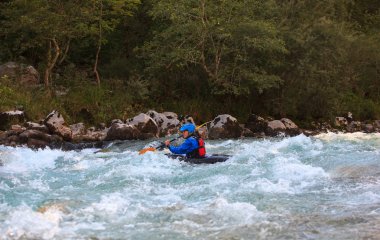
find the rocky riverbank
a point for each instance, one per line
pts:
(54, 132)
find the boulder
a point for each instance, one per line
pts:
(145, 124)
(93, 135)
(38, 135)
(354, 126)
(26, 75)
(275, 128)
(9, 118)
(340, 122)
(122, 131)
(167, 122)
(78, 130)
(368, 128)
(36, 126)
(225, 126)
(247, 133)
(17, 128)
(291, 128)
(256, 124)
(56, 124)
(376, 125)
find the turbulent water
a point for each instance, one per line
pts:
(323, 187)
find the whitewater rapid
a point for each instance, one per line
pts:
(322, 187)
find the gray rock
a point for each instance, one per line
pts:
(56, 124)
(256, 123)
(291, 128)
(275, 128)
(167, 122)
(145, 124)
(122, 131)
(225, 126)
(354, 126)
(36, 126)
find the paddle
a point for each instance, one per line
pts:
(160, 147)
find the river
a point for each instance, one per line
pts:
(321, 187)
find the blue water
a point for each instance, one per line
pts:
(323, 187)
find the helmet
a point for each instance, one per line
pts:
(188, 127)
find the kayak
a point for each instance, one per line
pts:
(208, 159)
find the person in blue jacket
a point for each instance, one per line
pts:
(189, 146)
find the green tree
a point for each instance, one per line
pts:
(51, 25)
(234, 42)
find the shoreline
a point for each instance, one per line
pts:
(55, 133)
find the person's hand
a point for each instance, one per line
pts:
(167, 143)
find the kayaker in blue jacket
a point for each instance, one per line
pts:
(189, 146)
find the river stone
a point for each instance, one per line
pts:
(122, 131)
(256, 123)
(9, 118)
(56, 124)
(275, 128)
(36, 126)
(35, 134)
(354, 126)
(368, 128)
(167, 122)
(291, 128)
(225, 126)
(340, 122)
(145, 124)
(93, 135)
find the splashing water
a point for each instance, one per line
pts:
(324, 187)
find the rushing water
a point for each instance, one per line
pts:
(323, 187)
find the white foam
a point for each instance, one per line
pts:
(356, 136)
(23, 222)
(22, 159)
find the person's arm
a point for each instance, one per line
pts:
(184, 148)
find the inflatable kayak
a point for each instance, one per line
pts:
(209, 159)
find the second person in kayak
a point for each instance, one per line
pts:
(193, 146)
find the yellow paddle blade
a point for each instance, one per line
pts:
(150, 149)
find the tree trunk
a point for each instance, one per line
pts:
(99, 46)
(51, 61)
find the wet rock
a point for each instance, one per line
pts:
(93, 135)
(225, 126)
(116, 121)
(275, 128)
(36, 143)
(376, 125)
(248, 133)
(145, 124)
(36, 126)
(354, 126)
(28, 135)
(341, 122)
(78, 130)
(167, 122)
(256, 123)
(9, 118)
(291, 128)
(122, 131)
(368, 128)
(170, 115)
(56, 124)
(17, 128)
